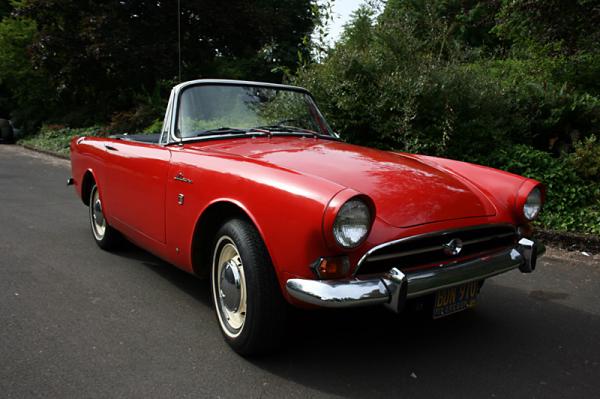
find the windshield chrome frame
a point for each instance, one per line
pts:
(175, 101)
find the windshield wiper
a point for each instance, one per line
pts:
(274, 129)
(222, 130)
(285, 128)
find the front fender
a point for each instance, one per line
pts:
(287, 208)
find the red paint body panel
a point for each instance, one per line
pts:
(406, 191)
(285, 185)
(135, 191)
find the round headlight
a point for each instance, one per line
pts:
(533, 205)
(352, 223)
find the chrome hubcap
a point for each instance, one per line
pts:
(229, 287)
(98, 221)
(230, 292)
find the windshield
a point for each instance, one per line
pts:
(218, 109)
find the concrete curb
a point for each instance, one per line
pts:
(47, 152)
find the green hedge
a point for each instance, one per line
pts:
(572, 199)
(56, 138)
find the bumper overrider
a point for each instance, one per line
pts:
(393, 288)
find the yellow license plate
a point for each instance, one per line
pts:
(455, 299)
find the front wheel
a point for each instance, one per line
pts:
(248, 302)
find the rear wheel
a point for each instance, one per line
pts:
(105, 236)
(248, 302)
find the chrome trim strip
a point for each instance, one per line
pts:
(166, 127)
(425, 235)
(435, 248)
(233, 82)
(403, 254)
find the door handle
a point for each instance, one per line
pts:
(110, 148)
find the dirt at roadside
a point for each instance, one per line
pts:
(570, 241)
(573, 256)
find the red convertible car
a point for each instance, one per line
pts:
(248, 186)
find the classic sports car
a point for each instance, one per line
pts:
(248, 186)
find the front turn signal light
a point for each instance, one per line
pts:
(331, 267)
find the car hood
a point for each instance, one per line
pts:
(406, 191)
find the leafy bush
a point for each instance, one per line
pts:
(56, 138)
(586, 159)
(151, 107)
(573, 202)
(154, 127)
(131, 121)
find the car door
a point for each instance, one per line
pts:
(136, 186)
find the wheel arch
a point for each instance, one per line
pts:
(206, 227)
(87, 182)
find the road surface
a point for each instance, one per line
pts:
(78, 322)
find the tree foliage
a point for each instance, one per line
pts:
(98, 56)
(556, 26)
(24, 90)
(5, 8)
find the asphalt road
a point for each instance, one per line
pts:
(78, 322)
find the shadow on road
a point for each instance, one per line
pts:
(196, 288)
(512, 344)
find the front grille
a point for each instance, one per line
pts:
(429, 250)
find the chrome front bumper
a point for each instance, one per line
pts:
(394, 288)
